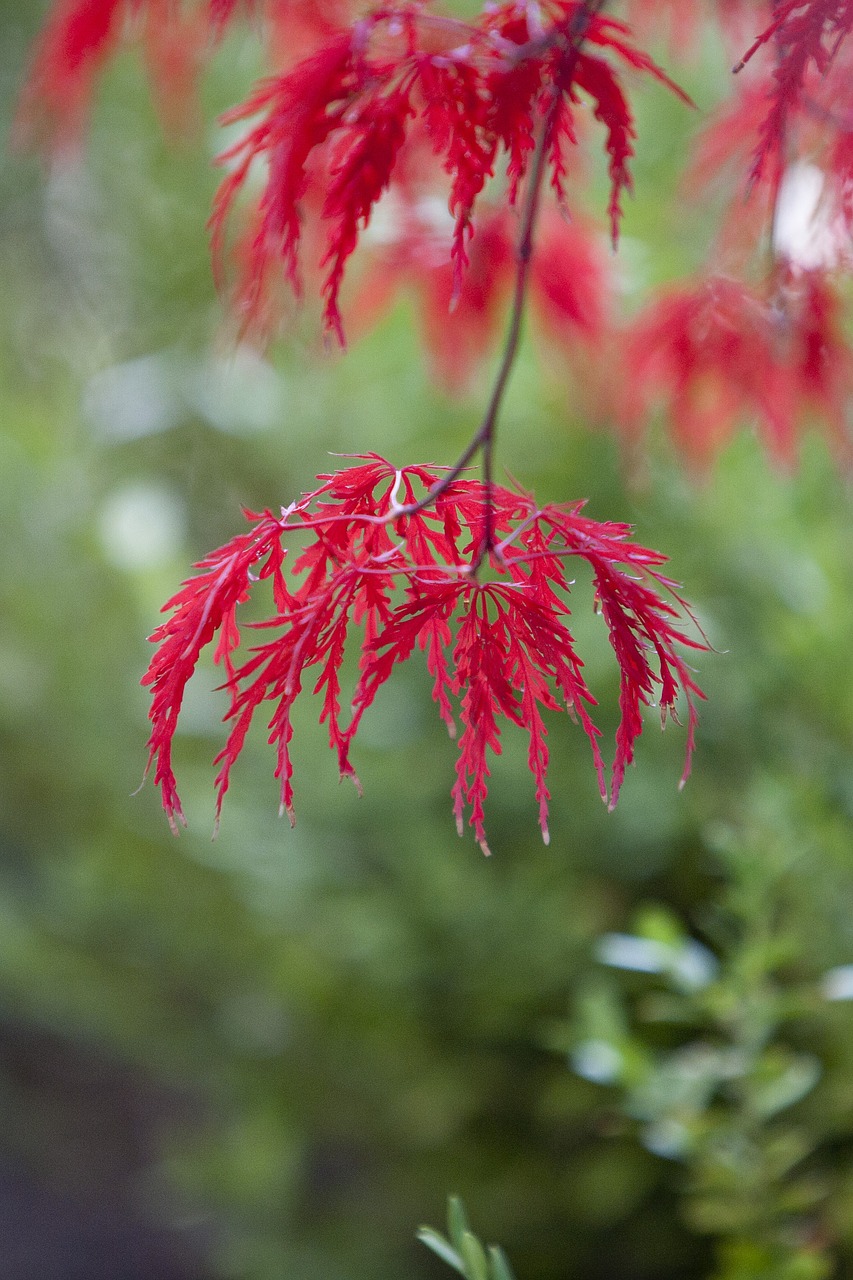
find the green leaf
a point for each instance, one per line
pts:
(501, 1270)
(781, 1080)
(474, 1258)
(457, 1221)
(433, 1240)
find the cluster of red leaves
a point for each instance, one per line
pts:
(806, 36)
(334, 131)
(795, 107)
(497, 648)
(81, 36)
(403, 90)
(794, 110)
(340, 122)
(77, 41)
(718, 353)
(334, 127)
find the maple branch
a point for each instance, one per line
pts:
(484, 438)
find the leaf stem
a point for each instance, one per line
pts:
(483, 440)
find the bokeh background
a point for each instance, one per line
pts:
(275, 1054)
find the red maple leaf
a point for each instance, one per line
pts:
(806, 36)
(717, 354)
(74, 46)
(376, 572)
(342, 120)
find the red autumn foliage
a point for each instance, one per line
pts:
(807, 36)
(718, 353)
(76, 43)
(341, 118)
(347, 569)
(73, 47)
(457, 332)
(177, 35)
(767, 132)
(490, 112)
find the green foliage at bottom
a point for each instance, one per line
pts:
(463, 1251)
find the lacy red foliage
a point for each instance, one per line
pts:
(717, 353)
(806, 37)
(78, 39)
(792, 118)
(341, 118)
(346, 567)
(800, 81)
(476, 576)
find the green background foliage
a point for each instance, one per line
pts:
(276, 1053)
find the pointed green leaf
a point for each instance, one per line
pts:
(433, 1240)
(457, 1222)
(781, 1079)
(501, 1270)
(474, 1257)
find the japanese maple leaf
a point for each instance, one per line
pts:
(342, 121)
(77, 41)
(806, 36)
(375, 572)
(717, 355)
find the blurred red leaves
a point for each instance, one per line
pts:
(403, 102)
(716, 353)
(77, 41)
(340, 121)
(177, 36)
(806, 37)
(348, 571)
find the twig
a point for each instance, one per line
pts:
(483, 439)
